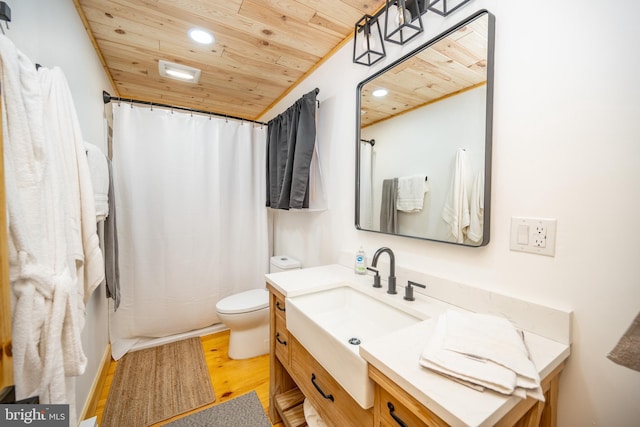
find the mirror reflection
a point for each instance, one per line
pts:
(424, 140)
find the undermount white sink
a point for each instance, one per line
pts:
(332, 323)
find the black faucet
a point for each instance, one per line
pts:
(392, 268)
(408, 291)
(376, 278)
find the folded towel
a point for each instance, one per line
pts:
(99, 171)
(490, 338)
(411, 190)
(476, 371)
(483, 350)
(311, 415)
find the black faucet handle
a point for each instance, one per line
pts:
(408, 291)
(376, 278)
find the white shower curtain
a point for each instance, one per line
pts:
(192, 221)
(366, 185)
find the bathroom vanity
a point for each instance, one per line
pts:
(393, 389)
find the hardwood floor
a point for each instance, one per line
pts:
(230, 378)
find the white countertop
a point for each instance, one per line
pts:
(397, 354)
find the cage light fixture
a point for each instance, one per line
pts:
(446, 7)
(368, 46)
(403, 20)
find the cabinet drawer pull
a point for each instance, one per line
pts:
(279, 307)
(394, 416)
(279, 340)
(326, 396)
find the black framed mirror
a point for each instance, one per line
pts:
(424, 127)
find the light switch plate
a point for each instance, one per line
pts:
(533, 235)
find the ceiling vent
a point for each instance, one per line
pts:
(180, 72)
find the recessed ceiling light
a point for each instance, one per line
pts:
(201, 36)
(178, 71)
(379, 92)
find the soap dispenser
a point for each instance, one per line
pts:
(360, 266)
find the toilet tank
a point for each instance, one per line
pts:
(283, 263)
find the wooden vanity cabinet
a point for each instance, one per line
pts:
(295, 374)
(393, 406)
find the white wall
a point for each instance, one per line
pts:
(51, 33)
(566, 145)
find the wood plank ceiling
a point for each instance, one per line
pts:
(262, 48)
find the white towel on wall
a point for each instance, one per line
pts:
(456, 208)
(99, 170)
(476, 209)
(411, 191)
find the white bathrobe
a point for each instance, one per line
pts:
(456, 208)
(63, 130)
(48, 312)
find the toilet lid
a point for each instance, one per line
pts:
(244, 302)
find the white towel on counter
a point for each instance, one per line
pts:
(411, 191)
(483, 350)
(456, 208)
(99, 170)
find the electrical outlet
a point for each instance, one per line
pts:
(540, 240)
(533, 235)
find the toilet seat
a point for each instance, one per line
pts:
(244, 302)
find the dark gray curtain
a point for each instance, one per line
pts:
(290, 142)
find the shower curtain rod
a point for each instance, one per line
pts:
(369, 141)
(106, 98)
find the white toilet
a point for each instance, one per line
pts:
(246, 314)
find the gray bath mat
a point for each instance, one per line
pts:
(243, 411)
